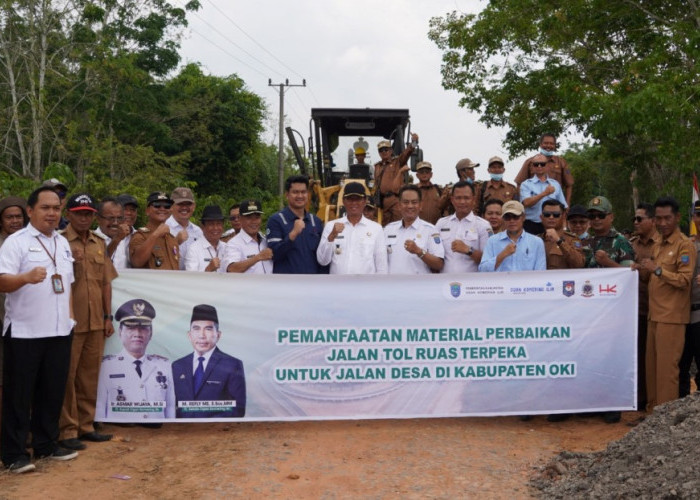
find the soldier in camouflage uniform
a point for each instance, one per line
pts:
(605, 247)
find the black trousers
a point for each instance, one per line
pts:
(691, 351)
(531, 227)
(34, 384)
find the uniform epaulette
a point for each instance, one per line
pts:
(569, 233)
(156, 357)
(107, 357)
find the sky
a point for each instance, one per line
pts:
(352, 54)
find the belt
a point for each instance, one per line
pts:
(695, 307)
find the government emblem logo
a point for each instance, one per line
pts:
(587, 289)
(569, 288)
(455, 289)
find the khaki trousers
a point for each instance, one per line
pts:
(665, 343)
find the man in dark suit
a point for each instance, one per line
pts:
(208, 382)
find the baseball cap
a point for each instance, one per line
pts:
(513, 207)
(127, 199)
(466, 163)
(496, 159)
(249, 207)
(81, 201)
(577, 211)
(354, 189)
(54, 183)
(600, 204)
(158, 196)
(181, 195)
(424, 164)
(384, 144)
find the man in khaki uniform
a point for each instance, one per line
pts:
(564, 250)
(496, 188)
(92, 297)
(153, 247)
(672, 265)
(557, 168)
(465, 172)
(433, 204)
(389, 177)
(643, 243)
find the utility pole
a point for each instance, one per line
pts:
(280, 160)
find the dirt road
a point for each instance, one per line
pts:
(430, 458)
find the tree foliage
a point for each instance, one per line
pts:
(622, 72)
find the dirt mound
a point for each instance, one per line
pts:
(657, 459)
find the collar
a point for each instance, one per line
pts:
(675, 237)
(469, 217)
(248, 238)
(70, 234)
(35, 232)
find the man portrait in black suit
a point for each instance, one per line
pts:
(208, 382)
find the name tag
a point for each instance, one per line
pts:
(215, 382)
(117, 375)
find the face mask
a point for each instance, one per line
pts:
(496, 177)
(546, 152)
(469, 180)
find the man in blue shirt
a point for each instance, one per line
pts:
(293, 234)
(513, 249)
(535, 190)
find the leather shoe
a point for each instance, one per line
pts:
(72, 444)
(95, 437)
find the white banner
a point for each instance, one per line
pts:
(353, 347)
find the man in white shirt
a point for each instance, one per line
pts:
(249, 250)
(179, 221)
(36, 273)
(113, 228)
(463, 234)
(209, 254)
(413, 245)
(353, 244)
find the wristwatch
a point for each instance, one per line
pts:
(470, 251)
(560, 241)
(422, 254)
(657, 271)
(109, 317)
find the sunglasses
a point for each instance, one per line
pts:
(556, 215)
(638, 218)
(599, 216)
(381, 150)
(539, 164)
(161, 205)
(234, 217)
(510, 217)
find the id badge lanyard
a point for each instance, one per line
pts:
(56, 279)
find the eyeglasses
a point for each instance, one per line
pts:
(539, 163)
(381, 150)
(161, 205)
(111, 219)
(638, 218)
(556, 215)
(510, 217)
(599, 216)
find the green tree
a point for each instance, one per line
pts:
(622, 72)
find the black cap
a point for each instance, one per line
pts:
(81, 201)
(158, 196)
(249, 207)
(577, 211)
(136, 312)
(204, 312)
(354, 189)
(212, 212)
(127, 199)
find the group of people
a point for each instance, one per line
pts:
(54, 375)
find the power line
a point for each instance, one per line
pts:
(229, 54)
(236, 45)
(253, 39)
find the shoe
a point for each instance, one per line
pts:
(72, 444)
(611, 417)
(525, 418)
(21, 466)
(557, 417)
(95, 437)
(60, 453)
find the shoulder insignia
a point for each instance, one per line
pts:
(107, 357)
(569, 233)
(155, 357)
(436, 237)
(685, 258)
(143, 230)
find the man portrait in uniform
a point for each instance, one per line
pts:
(212, 383)
(133, 385)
